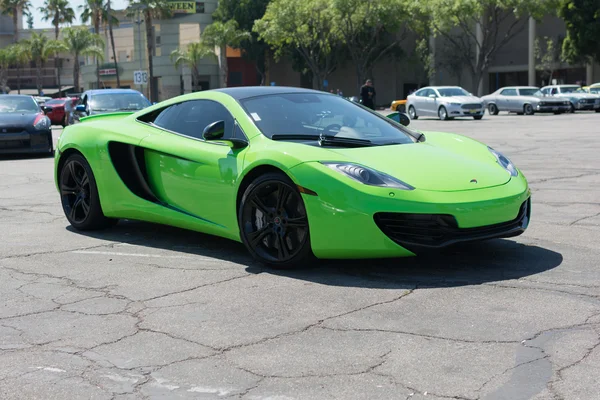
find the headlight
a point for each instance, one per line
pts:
(41, 123)
(504, 162)
(455, 104)
(368, 176)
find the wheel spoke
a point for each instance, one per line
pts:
(85, 180)
(297, 222)
(257, 202)
(71, 167)
(76, 204)
(282, 249)
(68, 189)
(282, 195)
(256, 237)
(86, 207)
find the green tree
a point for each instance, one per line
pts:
(59, 12)
(371, 30)
(7, 58)
(222, 35)
(548, 56)
(22, 58)
(245, 13)
(486, 26)
(41, 48)
(582, 19)
(110, 20)
(13, 8)
(79, 41)
(308, 27)
(152, 10)
(29, 20)
(191, 56)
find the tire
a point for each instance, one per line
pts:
(268, 206)
(528, 109)
(493, 109)
(598, 110)
(412, 113)
(443, 113)
(572, 109)
(79, 195)
(477, 117)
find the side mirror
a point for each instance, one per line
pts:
(80, 108)
(216, 131)
(46, 109)
(401, 118)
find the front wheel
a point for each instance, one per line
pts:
(412, 113)
(79, 195)
(528, 109)
(572, 109)
(598, 110)
(443, 113)
(493, 109)
(273, 222)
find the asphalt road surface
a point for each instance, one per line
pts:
(146, 311)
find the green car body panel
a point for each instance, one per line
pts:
(197, 183)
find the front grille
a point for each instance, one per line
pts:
(586, 101)
(551, 103)
(13, 144)
(440, 230)
(11, 130)
(473, 105)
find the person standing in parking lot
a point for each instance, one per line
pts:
(68, 111)
(367, 94)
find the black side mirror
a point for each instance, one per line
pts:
(400, 118)
(216, 131)
(46, 109)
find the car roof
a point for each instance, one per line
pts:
(116, 91)
(16, 96)
(244, 92)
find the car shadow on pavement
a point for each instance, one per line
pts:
(466, 264)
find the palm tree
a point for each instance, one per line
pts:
(22, 57)
(152, 9)
(59, 12)
(41, 48)
(112, 39)
(191, 57)
(92, 10)
(81, 42)
(13, 8)
(221, 35)
(6, 60)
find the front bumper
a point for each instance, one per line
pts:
(26, 142)
(587, 106)
(343, 217)
(552, 108)
(459, 111)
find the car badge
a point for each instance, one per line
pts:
(473, 180)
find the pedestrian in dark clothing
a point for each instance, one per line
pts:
(367, 94)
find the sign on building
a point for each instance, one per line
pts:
(140, 77)
(186, 7)
(107, 71)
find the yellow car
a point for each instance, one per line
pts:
(594, 89)
(398, 105)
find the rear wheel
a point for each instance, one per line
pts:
(572, 108)
(412, 113)
(273, 222)
(528, 109)
(443, 113)
(493, 109)
(79, 195)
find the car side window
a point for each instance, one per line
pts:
(554, 91)
(509, 92)
(421, 93)
(191, 117)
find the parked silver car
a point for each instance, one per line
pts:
(446, 102)
(579, 101)
(524, 100)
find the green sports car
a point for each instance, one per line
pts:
(292, 173)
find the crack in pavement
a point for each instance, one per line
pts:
(560, 178)
(584, 218)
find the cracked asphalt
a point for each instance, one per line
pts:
(142, 311)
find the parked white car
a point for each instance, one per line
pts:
(579, 100)
(445, 102)
(524, 100)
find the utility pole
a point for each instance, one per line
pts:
(139, 8)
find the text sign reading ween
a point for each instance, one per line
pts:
(186, 7)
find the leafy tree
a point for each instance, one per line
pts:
(13, 8)
(110, 19)
(548, 56)
(498, 22)
(221, 35)
(7, 58)
(29, 20)
(308, 26)
(191, 57)
(41, 48)
(582, 18)
(245, 12)
(22, 57)
(370, 29)
(79, 41)
(91, 11)
(59, 12)
(152, 9)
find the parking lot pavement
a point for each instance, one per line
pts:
(145, 311)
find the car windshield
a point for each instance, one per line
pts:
(294, 116)
(450, 92)
(530, 92)
(54, 102)
(568, 89)
(118, 102)
(595, 90)
(9, 104)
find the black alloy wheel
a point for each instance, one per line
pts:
(273, 222)
(79, 195)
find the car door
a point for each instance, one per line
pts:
(429, 103)
(507, 100)
(188, 173)
(417, 99)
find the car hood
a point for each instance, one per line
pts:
(444, 162)
(14, 119)
(461, 99)
(579, 95)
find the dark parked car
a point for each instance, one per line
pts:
(23, 126)
(102, 101)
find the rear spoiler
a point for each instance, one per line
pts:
(112, 114)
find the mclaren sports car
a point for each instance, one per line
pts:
(291, 173)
